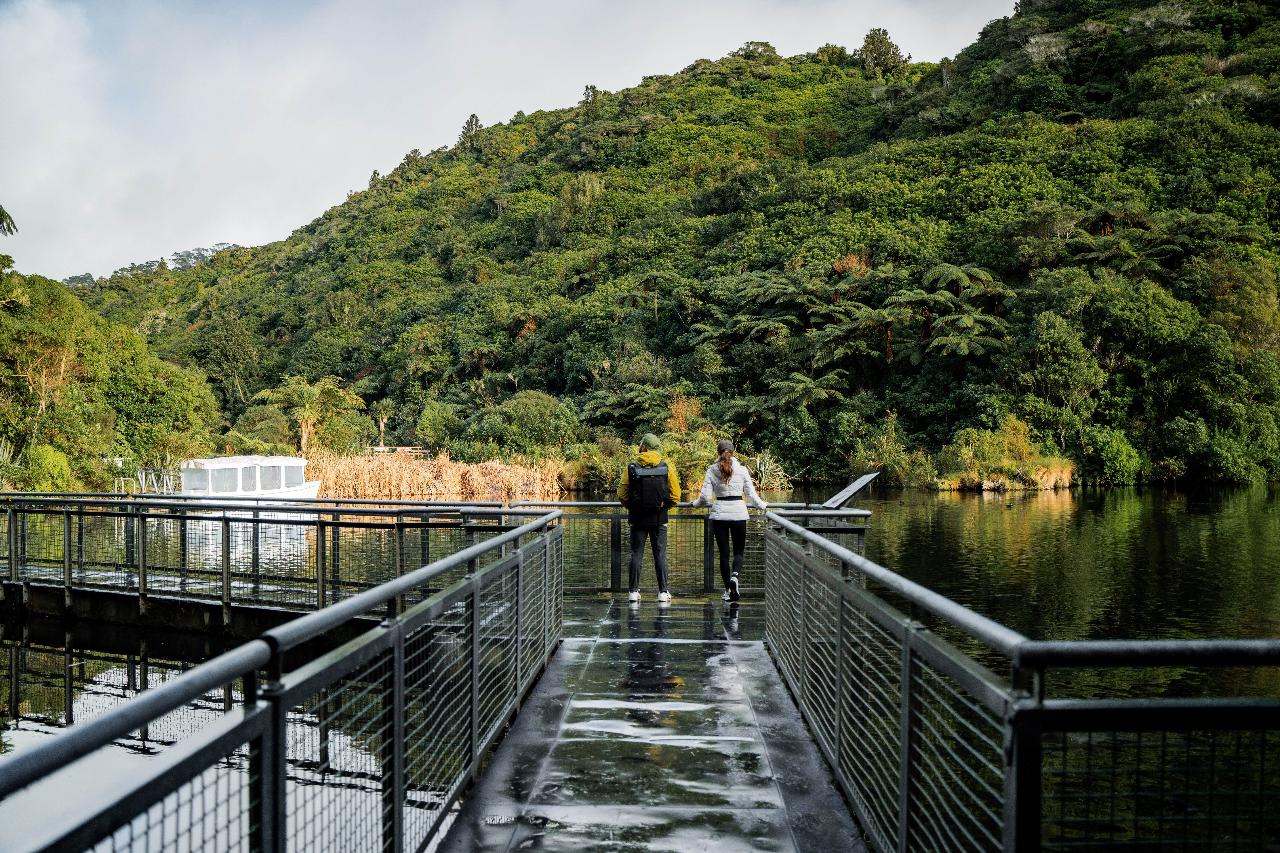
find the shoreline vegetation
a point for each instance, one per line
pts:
(408, 477)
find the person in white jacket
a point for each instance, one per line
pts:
(726, 489)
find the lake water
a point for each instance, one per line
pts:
(1093, 564)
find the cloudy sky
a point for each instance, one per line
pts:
(131, 129)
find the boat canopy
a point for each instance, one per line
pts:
(240, 475)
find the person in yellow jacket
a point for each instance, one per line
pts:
(650, 487)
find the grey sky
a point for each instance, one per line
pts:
(136, 128)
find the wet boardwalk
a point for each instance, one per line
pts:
(657, 729)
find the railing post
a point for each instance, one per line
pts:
(80, 539)
(399, 537)
(254, 559)
(474, 764)
(11, 527)
(802, 613)
(321, 533)
(473, 536)
(335, 558)
(182, 552)
(424, 542)
(66, 557)
(393, 709)
(547, 589)
(22, 540)
(274, 803)
(264, 810)
(708, 557)
(140, 529)
(1022, 776)
(130, 528)
(906, 734)
(615, 554)
(520, 597)
(841, 654)
(226, 569)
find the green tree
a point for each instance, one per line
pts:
(382, 410)
(311, 404)
(879, 54)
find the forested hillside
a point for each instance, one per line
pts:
(78, 392)
(1061, 242)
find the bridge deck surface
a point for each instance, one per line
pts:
(657, 729)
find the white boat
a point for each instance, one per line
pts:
(254, 479)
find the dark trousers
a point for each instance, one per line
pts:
(657, 535)
(724, 530)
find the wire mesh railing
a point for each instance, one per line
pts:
(935, 751)
(298, 556)
(334, 743)
(598, 546)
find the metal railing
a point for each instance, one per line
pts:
(308, 554)
(296, 555)
(334, 743)
(598, 547)
(936, 751)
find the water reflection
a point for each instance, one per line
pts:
(1100, 564)
(1094, 564)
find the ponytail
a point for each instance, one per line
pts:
(726, 464)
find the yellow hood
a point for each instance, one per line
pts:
(649, 458)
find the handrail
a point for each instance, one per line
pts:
(201, 505)
(1044, 654)
(304, 628)
(617, 505)
(30, 765)
(824, 513)
(997, 636)
(151, 497)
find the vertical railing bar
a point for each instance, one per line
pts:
(140, 529)
(708, 557)
(264, 811)
(1023, 777)
(80, 539)
(11, 527)
(254, 559)
(474, 764)
(183, 557)
(400, 563)
(615, 553)
(335, 557)
(905, 734)
(321, 533)
(66, 557)
(393, 744)
(226, 568)
(520, 604)
(23, 542)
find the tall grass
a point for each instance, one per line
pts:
(401, 476)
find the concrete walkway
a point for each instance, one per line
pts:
(657, 729)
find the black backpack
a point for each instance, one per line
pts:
(649, 492)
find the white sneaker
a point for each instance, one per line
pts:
(633, 596)
(726, 596)
(664, 598)
(733, 593)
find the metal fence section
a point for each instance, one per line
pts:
(937, 752)
(598, 547)
(300, 556)
(332, 743)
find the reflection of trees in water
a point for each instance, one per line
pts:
(1096, 564)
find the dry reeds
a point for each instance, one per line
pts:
(401, 476)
